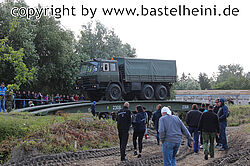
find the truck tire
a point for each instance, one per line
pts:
(128, 96)
(113, 93)
(147, 92)
(161, 92)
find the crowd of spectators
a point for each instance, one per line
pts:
(29, 99)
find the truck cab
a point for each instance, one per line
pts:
(96, 76)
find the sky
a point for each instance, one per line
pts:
(197, 43)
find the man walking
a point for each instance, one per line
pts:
(171, 129)
(93, 108)
(155, 119)
(192, 119)
(3, 90)
(215, 110)
(209, 125)
(222, 114)
(123, 125)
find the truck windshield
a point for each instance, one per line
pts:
(90, 67)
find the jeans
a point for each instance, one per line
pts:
(23, 104)
(2, 104)
(209, 138)
(158, 136)
(169, 151)
(223, 137)
(196, 137)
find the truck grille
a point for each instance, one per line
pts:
(88, 80)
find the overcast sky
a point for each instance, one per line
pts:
(198, 44)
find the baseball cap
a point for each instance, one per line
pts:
(167, 110)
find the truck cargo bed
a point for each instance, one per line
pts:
(147, 70)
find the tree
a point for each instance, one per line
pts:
(232, 77)
(204, 81)
(23, 35)
(99, 42)
(21, 74)
(226, 71)
(187, 83)
(46, 46)
(58, 65)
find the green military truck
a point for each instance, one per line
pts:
(127, 78)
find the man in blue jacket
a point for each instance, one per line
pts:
(3, 90)
(155, 119)
(93, 108)
(222, 114)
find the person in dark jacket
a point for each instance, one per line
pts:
(155, 119)
(222, 114)
(209, 125)
(192, 120)
(93, 108)
(139, 125)
(216, 107)
(123, 125)
(18, 102)
(215, 110)
(23, 97)
(202, 109)
(3, 91)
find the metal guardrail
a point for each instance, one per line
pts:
(113, 106)
(47, 106)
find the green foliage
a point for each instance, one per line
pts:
(96, 41)
(7, 54)
(204, 81)
(226, 71)
(58, 65)
(228, 77)
(231, 77)
(22, 35)
(51, 52)
(45, 47)
(187, 82)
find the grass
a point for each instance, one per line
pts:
(54, 134)
(239, 115)
(72, 132)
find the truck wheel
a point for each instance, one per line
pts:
(147, 92)
(114, 92)
(128, 96)
(161, 92)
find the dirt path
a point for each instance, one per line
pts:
(238, 153)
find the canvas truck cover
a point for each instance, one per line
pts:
(148, 69)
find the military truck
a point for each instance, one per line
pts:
(127, 78)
